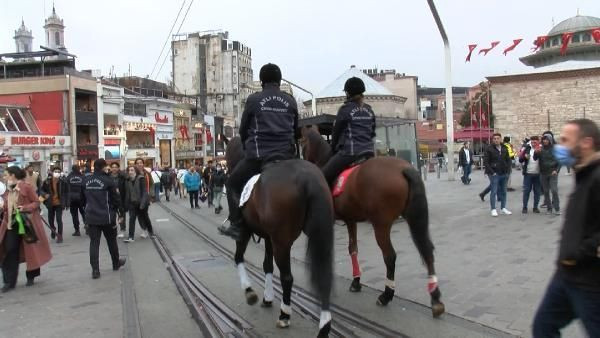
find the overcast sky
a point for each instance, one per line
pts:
(313, 41)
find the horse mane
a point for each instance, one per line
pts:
(318, 150)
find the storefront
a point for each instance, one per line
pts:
(165, 137)
(41, 151)
(148, 155)
(185, 148)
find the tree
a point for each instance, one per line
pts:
(481, 98)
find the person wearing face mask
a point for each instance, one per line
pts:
(55, 193)
(217, 183)
(103, 202)
(531, 174)
(21, 196)
(136, 198)
(574, 290)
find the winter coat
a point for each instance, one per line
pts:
(192, 181)
(102, 199)
(496, 162)
(62, 190)
(218, 179)
(75, 187)
(135, 193)
(547, 161)
(33, 254)
(462, 157)
(354, 129)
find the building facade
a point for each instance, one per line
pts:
(399, 84)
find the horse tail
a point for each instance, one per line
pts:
(319, 220)
(416, 213)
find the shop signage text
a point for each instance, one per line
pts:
(34, 140)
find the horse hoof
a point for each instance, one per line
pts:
(266, 304)
(438, 309)
(355, 286)
(385, 297)
(324, 332)
(251, 297)
(283, 323)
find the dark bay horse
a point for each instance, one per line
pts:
(290, 197)
(379, 191)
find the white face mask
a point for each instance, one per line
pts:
(56, 175)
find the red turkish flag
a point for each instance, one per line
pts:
(471, 48)
(566, 38)
(596, 34)
(513, 46)
(487, 50)
(539, 42)
(152, 132)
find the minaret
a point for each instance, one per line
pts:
(23, 39)
(55, 31)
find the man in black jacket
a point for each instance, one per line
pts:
(102, 204)
(119, 178)
(76, 203)
(574, 291)
(465, 160)
(549, 174)
(55, 193)
(497, 163)
(269, 130)
(165, 182)
(206, 178)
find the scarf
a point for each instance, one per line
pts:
(13, 197)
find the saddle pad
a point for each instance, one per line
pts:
(340, 182)
(248, 189)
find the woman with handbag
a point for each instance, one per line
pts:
(22, 235)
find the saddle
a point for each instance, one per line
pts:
(340, 181)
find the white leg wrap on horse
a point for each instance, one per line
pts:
(432, 283)
(269, 294)
(390, 284)
(287, 309)
(325, 318)
(243, 276)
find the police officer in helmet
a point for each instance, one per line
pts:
(269, 130)
(353, 131)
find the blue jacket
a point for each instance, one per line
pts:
(192, 181)
(354, 130)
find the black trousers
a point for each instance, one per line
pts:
(245, 169)
(133, 214)
(77, 208)
(56, 213)
(110, 233)
(144, 220)
(193, 198)
(10, 265)
(336, 164)
(122, 221)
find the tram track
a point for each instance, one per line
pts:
(345, 323)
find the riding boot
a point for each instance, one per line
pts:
(234, 230)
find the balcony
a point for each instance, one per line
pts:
(86, 118)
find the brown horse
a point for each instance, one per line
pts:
(379, 191)
(290, 197)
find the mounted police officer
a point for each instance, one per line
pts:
(353, 131)
(268, 131)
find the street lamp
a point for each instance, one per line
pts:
(449, 108)
(312, 97)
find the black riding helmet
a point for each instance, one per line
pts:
(354, 86)
(270, 73)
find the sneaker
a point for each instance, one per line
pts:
(129, 240)
(557, 213)
(121, 234)
(77, 233)
(506, 211)
(482, 197)
(95, 274)
(536, 210)
(59, 238)
(144, 234)
(510, 189)
(524, 210)
(119, 264)
(494, 213)
(549, 212)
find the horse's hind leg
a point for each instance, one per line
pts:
(353, 251)
(382, 235)
(268, 269)
(282, 258)
(240, 249)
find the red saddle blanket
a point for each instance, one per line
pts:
(340, 182)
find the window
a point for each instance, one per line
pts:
(587, 37)
(134, 109)
(57, 38)
(18, 119)
(26, 48)
(198, 141)
(547, 43)
(575, 38)
(555, 42)
(7, 121)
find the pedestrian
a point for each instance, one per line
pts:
(165, 182)
(33, 178)
(497, 162)
(156, 186)
(511, 154)
(20, 197)
(549, 174)
(218, 183)
(136, 198)
(574, 290)
(180, 179)
(552, 142)
(206, 177)
(55, 193)
(119, 178)
(174, 182)
(76, 202)
(143, 216)
(440, 159)
(192, 185)
(531, 174)
(465, 160)
(102, 204)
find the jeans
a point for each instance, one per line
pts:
(193, 198)
(133, 214)
(77, 208)
(55, 213)
(144, 220)
(498, 188)
(531, 182)
(10, 265)
(466, 173)
(562, 303)
(550, 185)
(157, 192)
(218, 194)
(110, 233)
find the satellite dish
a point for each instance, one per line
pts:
(2, 188)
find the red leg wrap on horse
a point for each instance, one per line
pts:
(355, 267)
(432, 284)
